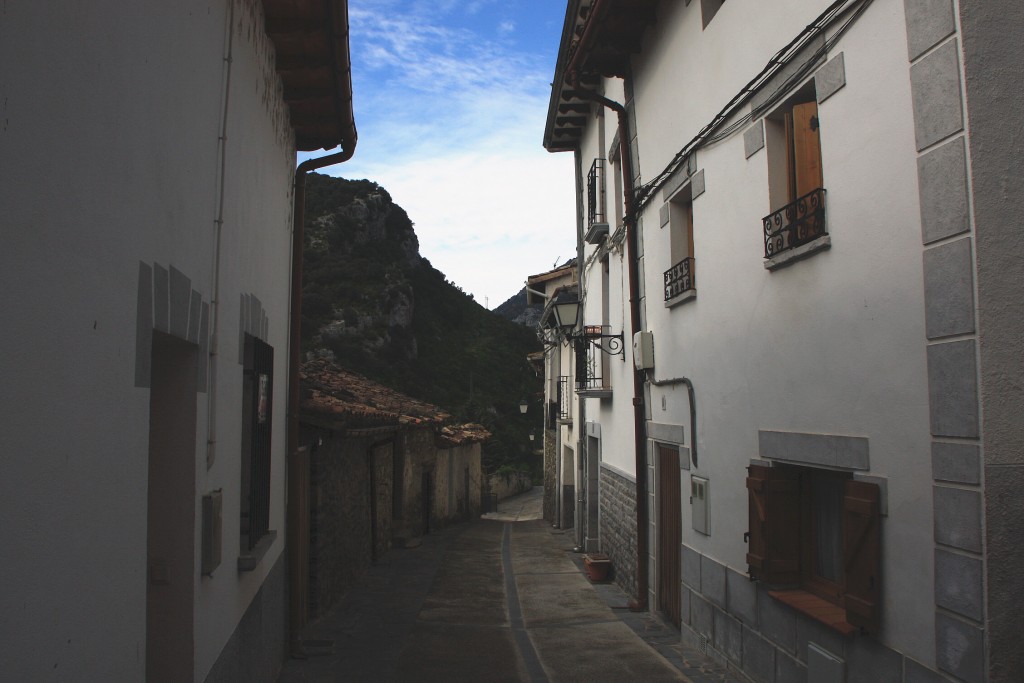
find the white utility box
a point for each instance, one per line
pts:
(643, 350)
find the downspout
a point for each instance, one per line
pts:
(579, 509)
(297, 613)
(218, 227)
(298, 241)
(298, 457)
(629, 221)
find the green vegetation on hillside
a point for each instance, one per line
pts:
(383, 311)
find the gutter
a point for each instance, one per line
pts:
(213, 355)
(629, 221)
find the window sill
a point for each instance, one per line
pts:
(564, 421)
(595, 393)
(247, 561)
(803, 251)
(682, 298)
(816, 608)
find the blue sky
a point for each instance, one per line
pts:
(450, 101)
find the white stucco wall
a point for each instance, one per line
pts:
(833, 344)
(111, 118)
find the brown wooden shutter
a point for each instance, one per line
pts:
(806, 149)
(862, 553)
(773, 554)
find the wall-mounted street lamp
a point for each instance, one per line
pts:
(566, 316)
(532, 436)
(523, 405)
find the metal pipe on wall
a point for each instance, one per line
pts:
(629, 221)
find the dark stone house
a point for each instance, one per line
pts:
(383, 469)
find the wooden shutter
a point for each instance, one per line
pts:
(862, 553)
(806, 149)
(773, 554)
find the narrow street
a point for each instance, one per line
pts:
(503, 598)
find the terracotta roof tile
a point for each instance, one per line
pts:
(457, 435)
(331, 391)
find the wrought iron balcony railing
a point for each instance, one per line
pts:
(564, 409)
(592, 348)
(795, 224)
(595, 193)
(679, 278)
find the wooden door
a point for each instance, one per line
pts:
(669, 533)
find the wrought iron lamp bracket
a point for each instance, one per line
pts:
(611, 344)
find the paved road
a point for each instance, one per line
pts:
(492, 600)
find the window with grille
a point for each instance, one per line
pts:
(257, 418)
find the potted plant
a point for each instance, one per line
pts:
(598, 566)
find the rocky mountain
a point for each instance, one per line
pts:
(372, 304)
(518, 311)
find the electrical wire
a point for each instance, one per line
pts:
(777, 63)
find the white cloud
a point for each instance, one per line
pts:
(451, 124)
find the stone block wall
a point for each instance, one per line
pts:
(550, 473)
(618, 526)
(513, 485)
(419, 457)
(382, 482)
(457, 482)
(746, 630)
(341, 541)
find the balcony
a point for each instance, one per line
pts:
(597, 222)
(564, 414)
(796, 230)
(592, 352)
(679, 282)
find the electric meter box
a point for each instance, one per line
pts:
(699, 494)
(643, 350)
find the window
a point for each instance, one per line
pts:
(597, 221)
(795, 180)
(680, 277)
(818, 532)
(257, 418)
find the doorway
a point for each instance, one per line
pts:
(669, 533)
(171, 501)
(427, 487)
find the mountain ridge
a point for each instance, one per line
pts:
(374, 305)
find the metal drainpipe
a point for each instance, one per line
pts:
(297, 613)
(218, 226)
(343, 82)
(298, 241)
(629, 221)
(579, 509)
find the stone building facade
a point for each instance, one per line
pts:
(384, 469)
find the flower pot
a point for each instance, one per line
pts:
(598, 566)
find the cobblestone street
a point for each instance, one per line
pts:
(501, 599)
